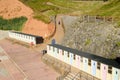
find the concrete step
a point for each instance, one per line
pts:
(69, 76)
(73, 76)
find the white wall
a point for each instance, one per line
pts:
(48, 51)
(119, 74)
(22, 37)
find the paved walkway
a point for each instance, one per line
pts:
(29, 61)
(3, 34)
(8, 69)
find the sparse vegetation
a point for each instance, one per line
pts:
(88, 41)
(100, 39)
(12, 24)
(118, 44)
(118, 24)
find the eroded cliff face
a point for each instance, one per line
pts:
(99, 37)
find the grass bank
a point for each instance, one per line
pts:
(44, 9)
(12, 24)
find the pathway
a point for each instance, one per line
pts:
(3, 34)
(29, 61)
(8, 69)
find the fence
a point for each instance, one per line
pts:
(84, 76)
(88, 18)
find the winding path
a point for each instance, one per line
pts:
(59, 34)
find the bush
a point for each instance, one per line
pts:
(88, 41)
(12, 24)
(118, 44)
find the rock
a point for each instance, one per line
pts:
(97, 37)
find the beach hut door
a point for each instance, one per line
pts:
(94, 66)
(116, 74)
(104, 72)
(71, 58)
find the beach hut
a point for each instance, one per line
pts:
(99, 67)
(28, 38)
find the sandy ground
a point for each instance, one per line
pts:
(29, 61)
(14, 8)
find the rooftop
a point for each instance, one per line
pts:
(25, 34)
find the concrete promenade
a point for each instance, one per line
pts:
(29, 61)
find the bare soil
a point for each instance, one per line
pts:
(14, 8)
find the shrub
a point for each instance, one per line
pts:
(12, 24)
(88, 41)
(118, 44)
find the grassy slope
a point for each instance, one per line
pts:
(111, 8)
(43, 11)
(12, 24)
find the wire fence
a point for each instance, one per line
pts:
(89, 18)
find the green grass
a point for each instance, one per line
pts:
(111, 8)
(12, 24)
(88, 41)
(44, 11)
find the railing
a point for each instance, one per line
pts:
(62, 76)
(83, 75)
(89, 18)
(77, 75)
